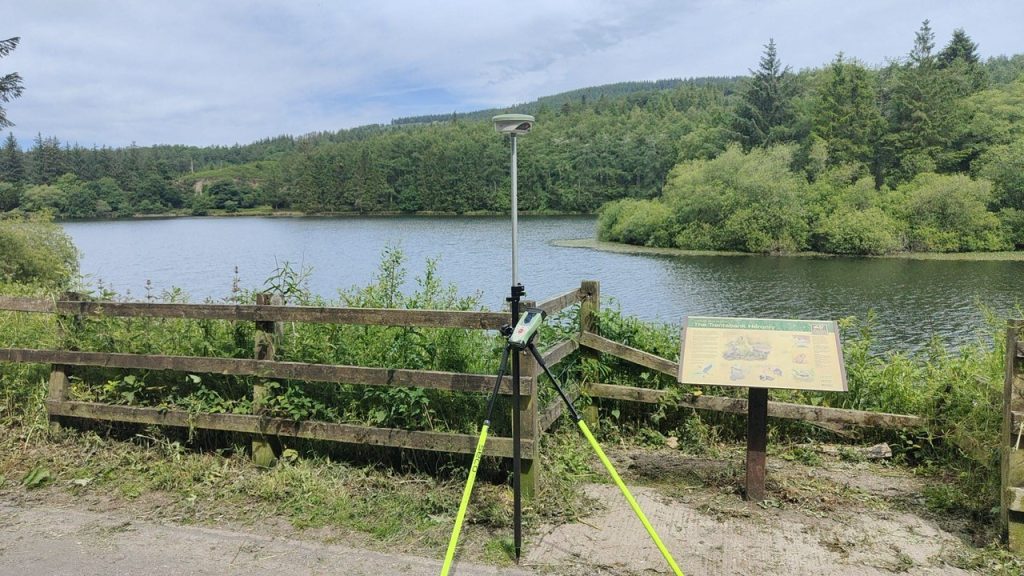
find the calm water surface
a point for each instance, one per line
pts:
(913, 299)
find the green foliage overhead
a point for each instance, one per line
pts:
(10, 84)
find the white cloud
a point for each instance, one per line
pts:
(196, 72)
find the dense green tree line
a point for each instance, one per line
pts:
(580, 156)
(845, 126)
(924, 154)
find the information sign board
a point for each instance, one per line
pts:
(762, 353)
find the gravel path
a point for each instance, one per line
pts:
(41, 541)
(828, 520)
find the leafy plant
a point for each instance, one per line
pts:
(37, 477)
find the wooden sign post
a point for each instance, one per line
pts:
(758, 354)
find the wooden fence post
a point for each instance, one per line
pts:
(590, 292)
(266, 341)
(757, 442)
(1012, 477)
(59, 384)
(528, 419)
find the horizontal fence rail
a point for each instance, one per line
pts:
(244, 312)
(639, 357)
(453, 381)
(560, 302)
(352, 433)
(805, 412)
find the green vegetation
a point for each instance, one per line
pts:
(10, 84)
(918, 156)
(753, 202)
(844, 159)
(36, 251)
(453, 350)
(959, 393)
(380, 496)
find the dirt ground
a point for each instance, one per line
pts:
(837, 518)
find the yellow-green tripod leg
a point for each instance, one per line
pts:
(629, 497)
(450, 554)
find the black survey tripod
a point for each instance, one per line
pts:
(521, 338)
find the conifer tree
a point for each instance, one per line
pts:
(765, 115)
(960, 47)
(924, 42)
(960, 59)
(10, 84)
(846, 115)
(12, 168)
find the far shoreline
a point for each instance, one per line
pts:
(593, 244)
(267, 213)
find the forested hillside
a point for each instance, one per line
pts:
(566, 99)
(583, 152)
(924, 153)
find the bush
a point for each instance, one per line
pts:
(950, 214)
(698, 236)
(1004, 166)
(1012, 221)
(749, 202)
(858, 232)
(10, 196)
(639, 222)
(36, 251)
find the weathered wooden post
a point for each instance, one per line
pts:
(528, 416)
(529, 464)
(590, 306)
(1012, 477)
(757, 442)
(59, 385)
(266, 341)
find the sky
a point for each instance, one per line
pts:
(205, 72)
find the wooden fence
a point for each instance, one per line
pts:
(268, 317)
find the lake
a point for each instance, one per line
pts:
(913, 299)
